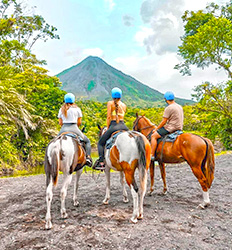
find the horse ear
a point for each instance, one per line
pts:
(99, 127)
(137, 115)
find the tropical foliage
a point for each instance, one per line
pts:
(207, 41)
(30, 99)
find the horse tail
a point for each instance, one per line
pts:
(47, 168)
(55, 166)
(142, 154)
(208, 164)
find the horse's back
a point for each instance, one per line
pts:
(193, 147)
(127, 147)
(64, 148)
(187, 147)
(191, 142)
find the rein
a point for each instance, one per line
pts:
(150, 126)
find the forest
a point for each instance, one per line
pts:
(30, 99)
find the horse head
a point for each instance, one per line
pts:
(102, 130)
(143, 124)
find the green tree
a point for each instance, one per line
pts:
(29, 98)
(19, 32)
(207, 40)
(215, 111)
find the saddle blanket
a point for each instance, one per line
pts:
(170, 137)
(75, 136)
(110, 142)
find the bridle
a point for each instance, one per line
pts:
(136, 124)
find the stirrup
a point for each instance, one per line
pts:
(89, 162)
(98, 166)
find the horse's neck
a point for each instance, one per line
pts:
(147, 131)
(147, 127)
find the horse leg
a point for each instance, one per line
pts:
(107, 196)
(63, 193)
(143, 188)
(129, 175)
(134, 192)
(76, 185)
(122, 180)
(152, 175)
(49, 196)
(203, 182)
(163, 175)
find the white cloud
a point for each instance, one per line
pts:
(157, 71)
(160, 35)
(110, 4)
(142, 34)
(164, 19)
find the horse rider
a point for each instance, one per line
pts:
(70, 118)
(116, 110)
(172, 120)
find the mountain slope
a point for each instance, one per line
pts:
(93, 79)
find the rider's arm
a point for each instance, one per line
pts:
(108, 119)
(163, 122)
(60, 121)
(79, 120)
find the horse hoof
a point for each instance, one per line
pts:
(204, 205)
(48, 225)
(165, 191)
(140, 217)
(76, 203)
(134, 220)
(150, 193)
(64, 215)
(106, 202)
(125, 200)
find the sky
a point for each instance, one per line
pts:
(138, 37)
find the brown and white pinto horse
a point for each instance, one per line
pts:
(130, 150)
(65, 154)
(197, 151)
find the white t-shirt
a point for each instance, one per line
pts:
(73, 114)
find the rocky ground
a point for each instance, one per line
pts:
(173, 221)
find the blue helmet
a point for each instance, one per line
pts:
(69, 98)
(116, 93)
(169, 96)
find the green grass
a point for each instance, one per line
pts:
(40, 169)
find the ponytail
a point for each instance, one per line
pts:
(65, 107)
(116, 109)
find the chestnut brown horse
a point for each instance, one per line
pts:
(129, 151)
(197, 151)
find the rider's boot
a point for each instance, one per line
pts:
(89, 161)
(99, 165)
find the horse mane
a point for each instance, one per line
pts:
(148, 121)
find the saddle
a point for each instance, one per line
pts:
(110, 142)
(74, 136)
(170, 137)
(79, 141)
(167, 138)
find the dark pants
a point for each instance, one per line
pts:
(72, 127)
(114, 126)
(162, 131)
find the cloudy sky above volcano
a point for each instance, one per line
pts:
(140, 38)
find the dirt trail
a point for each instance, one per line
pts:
(170, 222)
